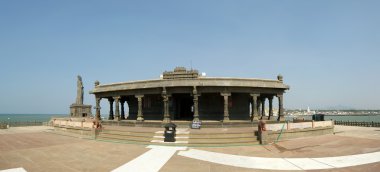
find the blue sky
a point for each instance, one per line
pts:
(327, 51)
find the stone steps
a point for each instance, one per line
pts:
(125, 136)
(200, 138)
(181, 124)
(222, 135)
(124, 139)
(184, 136)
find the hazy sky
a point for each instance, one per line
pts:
(327, 51)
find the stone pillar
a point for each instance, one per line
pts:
(165, 98)
(166, 109)
(117, 108)
(98, 117)
(270, 107)
(262, 108)
(139, 110)
(254, 107)
(195, 101)
(226, 115)
(258, 107)
(122, 115)
(111, 109)
(280, 108)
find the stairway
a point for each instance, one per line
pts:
(184, 137)
(125, 136)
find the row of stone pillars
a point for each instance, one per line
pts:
(118, 101)
(257, 101)
(258, 107)
(112, 116)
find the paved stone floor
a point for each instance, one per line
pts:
(34, 149)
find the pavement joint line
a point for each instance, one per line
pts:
(323, 163)
(293, 164)
(308, 164)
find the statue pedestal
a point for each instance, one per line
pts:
(80, 110)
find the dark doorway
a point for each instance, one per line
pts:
(183, 106)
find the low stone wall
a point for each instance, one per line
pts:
(85, 128)
(274, 132)
(68, 122)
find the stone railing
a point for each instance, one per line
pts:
(274, 132)
(358, 124)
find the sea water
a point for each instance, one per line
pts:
(28, 117)
(351, 118)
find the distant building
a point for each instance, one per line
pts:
(186, 95)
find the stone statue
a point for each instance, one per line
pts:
(79, 91)
(78, 109)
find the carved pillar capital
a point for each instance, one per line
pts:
(165, 97)
(97, 98)
(139, 96)
(195, 91)
(270, 98)
(255, 95)
(224, 94)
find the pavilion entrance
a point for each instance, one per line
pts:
(183, 107)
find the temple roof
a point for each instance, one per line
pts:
(181, 77)
(202, 82)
